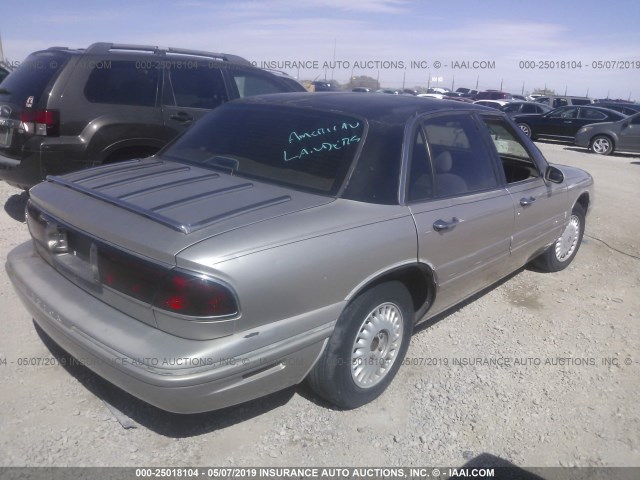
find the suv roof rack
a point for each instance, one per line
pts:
(104, 47)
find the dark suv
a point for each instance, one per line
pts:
(64, 109)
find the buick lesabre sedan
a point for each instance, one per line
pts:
(289, 237)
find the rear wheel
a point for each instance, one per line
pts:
(559, 255)
(526, 129)
(366, 348)
(602, 145)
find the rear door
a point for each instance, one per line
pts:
(463, 213)
(560, 122)
(190, 93)
(585, 117)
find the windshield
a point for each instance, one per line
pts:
(305, 149)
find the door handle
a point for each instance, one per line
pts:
(527, 201)
(441, 225)
(568, 121)
(181, 117)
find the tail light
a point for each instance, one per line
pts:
(170, 289)
(45, 123)
(195, 296)
(174, 290)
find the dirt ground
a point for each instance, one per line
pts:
(541, 370)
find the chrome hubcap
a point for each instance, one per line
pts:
(601, 145)
(376, 345)
(567, 243)
(525, 129)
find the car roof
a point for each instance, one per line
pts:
(387, 108)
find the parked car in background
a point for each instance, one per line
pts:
(65, 109)
(521, 98)
(466, 91)
(556, 101)
(493, 95)
(626, 108)
(388, 91)
(323, 86)
(514, 108)
(605, 138)
(223, 269)
(497, 104)
(564, 122)
(360, 89)
(439, 96)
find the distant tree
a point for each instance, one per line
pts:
(363, 81)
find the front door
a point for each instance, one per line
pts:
(463, 215)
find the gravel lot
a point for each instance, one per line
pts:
(556, 384)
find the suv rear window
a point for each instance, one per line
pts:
(311, 151)
(122, 83)
(31, 78)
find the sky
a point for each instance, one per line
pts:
(590, 47)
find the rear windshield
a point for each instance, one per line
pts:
(303, 149)
(32, 77)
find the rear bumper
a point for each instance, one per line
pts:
(175, 374)
(23, 173)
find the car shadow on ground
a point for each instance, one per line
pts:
(15, 205)
(502, 469)
(164, 423)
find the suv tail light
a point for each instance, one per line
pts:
(45, 123)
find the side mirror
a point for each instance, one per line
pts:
(625, 125)
(554, 174)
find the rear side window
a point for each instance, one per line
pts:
(122, 83)
(249, 84)
(580, 101)
(195, 88)
(589, 114)
(460, 159)
(32, 77)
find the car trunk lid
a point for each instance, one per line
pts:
(157, 208)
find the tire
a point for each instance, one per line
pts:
(381, 320)
(527, 130)
(602, 145)
(559, 255)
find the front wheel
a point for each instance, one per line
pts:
(366, 348)
(602, 145)
(559, 255)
